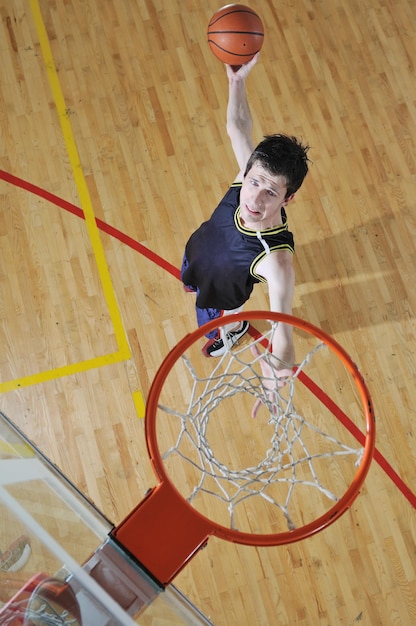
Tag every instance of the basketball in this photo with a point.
(235, 34)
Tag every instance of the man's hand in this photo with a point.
(244, 70)
(270, 374)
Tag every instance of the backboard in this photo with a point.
(71, 571)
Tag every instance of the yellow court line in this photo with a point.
(139, 403)
(17, 449)
(59, 372)
(93, 232)
(80, 182)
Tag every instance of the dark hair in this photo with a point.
(282, 155)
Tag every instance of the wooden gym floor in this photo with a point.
(117, 107)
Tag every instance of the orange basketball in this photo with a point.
(235, 34)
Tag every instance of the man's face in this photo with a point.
(261, 198)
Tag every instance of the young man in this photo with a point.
(247, 240)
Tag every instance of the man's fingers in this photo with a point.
(254, 350)
(256, 408)
(271, 377)
(284, 376)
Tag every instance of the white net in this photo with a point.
(271, 474)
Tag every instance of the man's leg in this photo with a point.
(230, 335)
(204, 316)
(235, 325)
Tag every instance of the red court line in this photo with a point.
(103, 226)
(155, 258)
(349, 425)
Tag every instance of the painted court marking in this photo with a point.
(94, 225)
(158, 260)
(80, 181)
(123, 352)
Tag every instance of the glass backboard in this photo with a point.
(58, 564)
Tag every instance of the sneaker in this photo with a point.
(216, 347)
(16, 555)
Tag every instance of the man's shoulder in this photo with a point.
(231, 196)
(281, 260)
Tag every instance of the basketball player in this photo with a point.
(247, 239)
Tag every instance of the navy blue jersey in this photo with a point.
(222, 255)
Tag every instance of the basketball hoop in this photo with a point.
(273, 480)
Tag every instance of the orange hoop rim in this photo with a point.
(330, 516)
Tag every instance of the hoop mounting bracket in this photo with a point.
(163, 533)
